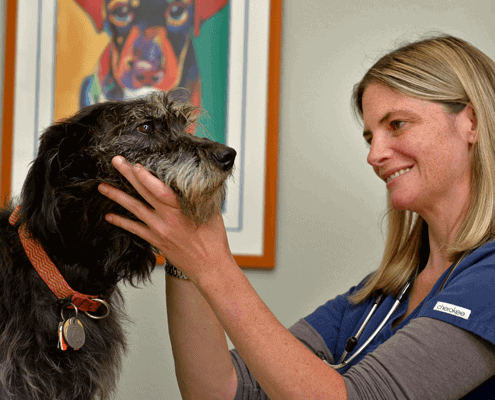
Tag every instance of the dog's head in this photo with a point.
(60, 200)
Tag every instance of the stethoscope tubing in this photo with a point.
(376, 304)
(398, 299)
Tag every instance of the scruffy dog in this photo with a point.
(61, 217)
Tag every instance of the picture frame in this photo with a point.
(252, 110)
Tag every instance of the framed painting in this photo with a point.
(226, 53)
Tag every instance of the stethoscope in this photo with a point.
(353, 340)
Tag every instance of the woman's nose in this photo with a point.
(380, 151)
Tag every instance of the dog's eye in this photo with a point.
(177, 14)
(145, 128)
(120, 16)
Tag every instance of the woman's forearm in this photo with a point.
(281, 364)
(203, 364)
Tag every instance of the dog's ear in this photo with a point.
(94, 8)
(65, 142)
(58, 159)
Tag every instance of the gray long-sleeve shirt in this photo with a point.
(427, 359)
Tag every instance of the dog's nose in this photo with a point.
(225, 157)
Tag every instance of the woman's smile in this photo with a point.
(389, 178)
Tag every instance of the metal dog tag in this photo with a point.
(61, 344)
(74, 333)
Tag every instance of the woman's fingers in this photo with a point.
(134, 206)
(135, 227)
(154, 191)
(148, 216)
(163, 225)
(151, 188)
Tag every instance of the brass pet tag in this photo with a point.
(61, 344)
(74, 333)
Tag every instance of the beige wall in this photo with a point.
(330, 204)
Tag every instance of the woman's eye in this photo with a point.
(396, 125)
(368, 139)
(145, 128)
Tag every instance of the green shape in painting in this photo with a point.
(212, 52)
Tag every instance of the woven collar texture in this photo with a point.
(49, 272)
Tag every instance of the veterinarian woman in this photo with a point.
(429, 116)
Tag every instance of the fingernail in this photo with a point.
(117, 161)
(103, 188)
(108, 218)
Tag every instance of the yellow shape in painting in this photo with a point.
(79, 46)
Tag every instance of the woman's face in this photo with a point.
(422, 153)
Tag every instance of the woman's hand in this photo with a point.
(193, 249)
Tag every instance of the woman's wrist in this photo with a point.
(173, 271)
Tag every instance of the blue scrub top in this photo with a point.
(467, 301)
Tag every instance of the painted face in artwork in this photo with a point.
(150, 49)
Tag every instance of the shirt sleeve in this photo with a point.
(427, 359)
(468, 298)
(247, 386)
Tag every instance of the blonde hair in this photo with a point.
(453, 73)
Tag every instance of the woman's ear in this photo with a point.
(471, 120)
